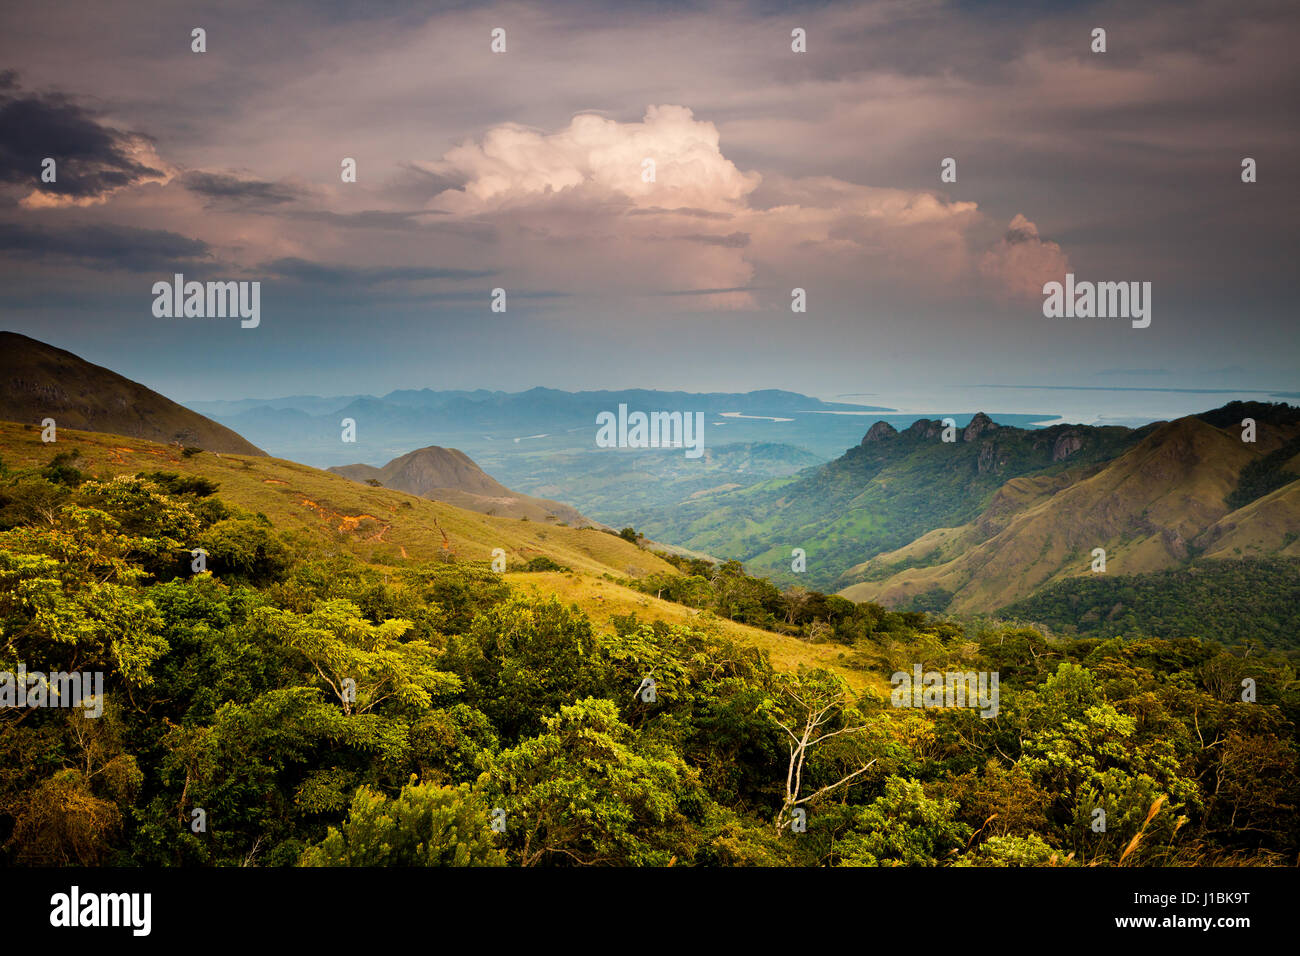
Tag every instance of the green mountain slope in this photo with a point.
(879, 496)
(320, 513)
(1235, 601)
(1160, 504)
(327, 511)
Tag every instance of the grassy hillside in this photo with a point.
(326, 512)
(603, 600)
(879, 496)
(1267, 526)
(1155, 507)
(371, 523)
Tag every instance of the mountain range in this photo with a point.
(986, 518)
(1159, 504)
(541, 441)
(880, 495)
(998, 513)
(506, 428)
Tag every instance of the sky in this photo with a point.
(773, 170)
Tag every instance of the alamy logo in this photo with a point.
(208, 300)
(73, 909)
(655, 430)
(1101, 300)
(84, 689)
(953, 689)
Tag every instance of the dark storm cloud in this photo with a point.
(92, 159)
(703, 291)
(681, 211)
(105, 248)
(736, 240)
(367, 218)
(321, 273)
(222, 187)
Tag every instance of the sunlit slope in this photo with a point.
(1152, 508)
(1267, 526)
(377, 523)
(602, 599)
(366, 521)
(878, 496)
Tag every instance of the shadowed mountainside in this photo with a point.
(448, 474)
(39, 381)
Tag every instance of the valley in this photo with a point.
(419, 620)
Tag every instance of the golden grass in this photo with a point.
(366, 521)
(392, 526)
(1171, 486)
(601, 600)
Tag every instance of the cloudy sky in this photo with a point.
(772, 170)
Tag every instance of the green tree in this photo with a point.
(522, 660)
(903, 827)
(362, 664)
(589, 791)
(245, 550)
(424, 825)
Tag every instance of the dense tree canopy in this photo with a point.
(288, 705)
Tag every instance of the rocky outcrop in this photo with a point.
(1066, 445)
(991, 458)
(924, 428)
(879, 432)
(979, 425)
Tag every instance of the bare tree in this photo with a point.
(814, 704)
(795, 599)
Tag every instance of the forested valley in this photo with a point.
(291, 704)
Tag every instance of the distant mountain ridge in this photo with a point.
(448, 474)
(541, 441)
(500, 430)
(880, 495)
(39, 381)
(1163, 502)
(538, 401)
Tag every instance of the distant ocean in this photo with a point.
(1052, 405)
